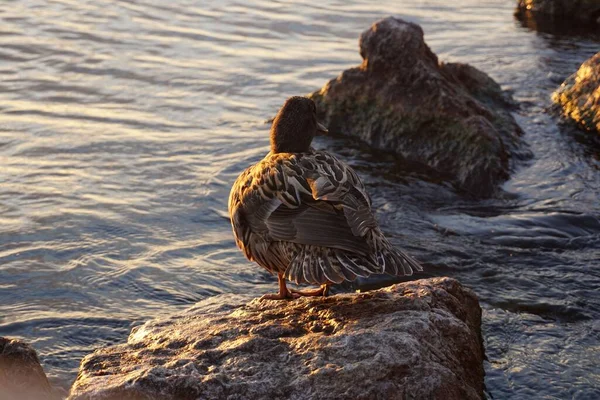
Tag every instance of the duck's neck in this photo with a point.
(281, 145)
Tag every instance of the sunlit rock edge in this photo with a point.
(418, 339)
(579, 96)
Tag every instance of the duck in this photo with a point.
(304, 215)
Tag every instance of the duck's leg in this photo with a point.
(322, 291)
(284, 292)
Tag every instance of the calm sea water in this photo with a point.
(123, 125)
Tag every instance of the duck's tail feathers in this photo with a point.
(318, 265)
(392, 261)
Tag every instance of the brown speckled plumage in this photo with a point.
(305, 214)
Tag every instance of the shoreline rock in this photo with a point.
(579, 96)
(450, 117)
(560, 12)
(418, 339)
(21, 374)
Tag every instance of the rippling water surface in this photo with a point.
(123, 125)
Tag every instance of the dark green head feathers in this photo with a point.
(295, 126)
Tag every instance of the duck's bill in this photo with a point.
(321, 128)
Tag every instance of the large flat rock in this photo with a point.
(414, 340)
(451, 117)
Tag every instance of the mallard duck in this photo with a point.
(306, 216)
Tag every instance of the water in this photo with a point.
(123, 125)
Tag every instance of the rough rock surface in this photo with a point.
(579, 95)
(417, 340)
(451, 117)
(586, 11)
(21, 375)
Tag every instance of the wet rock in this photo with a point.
(417, 340)
(451, 117)
(585, 11)
(21, 375)
(579, 96)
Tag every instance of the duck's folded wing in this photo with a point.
(329, 251)
(315, 223)
(273, 201)
(310, 216)
(333, 181)
(319, 201)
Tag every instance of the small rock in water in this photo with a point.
(587, 11)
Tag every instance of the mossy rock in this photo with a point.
(451, 117)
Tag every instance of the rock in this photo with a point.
(579, 95)
(451, 117)
(21, 375)
(418, 340)
(585, 11)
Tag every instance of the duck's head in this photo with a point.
(295, 126)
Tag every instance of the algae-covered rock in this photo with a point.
(579, 96)
(415, 340)
(451, 117)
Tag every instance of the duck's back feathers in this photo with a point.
(308, 215)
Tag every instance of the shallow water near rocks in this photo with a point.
(123, 125)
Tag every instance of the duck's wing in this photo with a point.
(317, 203)
(309, 199)
(323, 202)
(334, 184)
